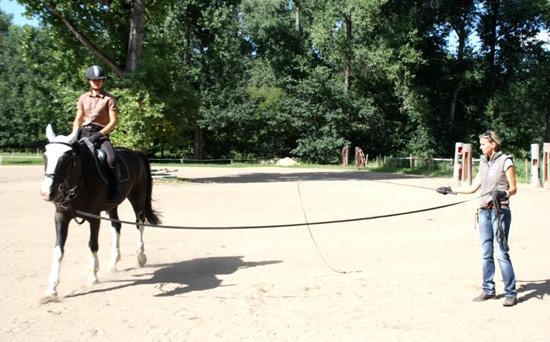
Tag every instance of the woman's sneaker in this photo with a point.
(483, 297)
(510, 301)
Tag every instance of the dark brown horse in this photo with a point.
(74, 183)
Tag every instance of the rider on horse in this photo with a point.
(96, 117)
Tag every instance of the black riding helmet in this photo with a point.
(95, 73)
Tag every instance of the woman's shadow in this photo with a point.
(185, 276)
(533, 289)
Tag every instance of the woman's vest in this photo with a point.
(493, 177)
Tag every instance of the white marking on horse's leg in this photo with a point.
(94, 267)
(53, 279)
(141, 257)
(115, 249)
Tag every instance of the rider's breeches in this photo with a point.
(109, 152)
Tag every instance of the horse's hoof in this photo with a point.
(113, 269)
(52, 298)
(92, 281)
(142, 259)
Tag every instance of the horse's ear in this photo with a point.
(49, 133)
(72, 137)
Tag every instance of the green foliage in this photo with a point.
(141, 125)
(324, 149)
(27, 101)
(276, 78)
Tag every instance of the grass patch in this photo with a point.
(21, 159)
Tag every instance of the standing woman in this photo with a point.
(497, 180)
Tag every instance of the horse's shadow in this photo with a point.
(533, 289)
(185, 276)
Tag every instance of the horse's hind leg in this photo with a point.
(94, 247)
(140, 246)
(115, 238)
(140, 219)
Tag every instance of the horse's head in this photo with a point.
(62, 166)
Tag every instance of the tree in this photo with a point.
(28, 82)
(515, 59)
(265, 78)
(103, 27)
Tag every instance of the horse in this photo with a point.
(74, 182)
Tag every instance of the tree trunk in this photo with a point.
(347, 52)
(297, 16)
(493, 22)
(453, 109)
(462, 34)
(188, 48)
(135, 39)
(493, 6)
(198, 146)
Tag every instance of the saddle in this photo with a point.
(103, 169)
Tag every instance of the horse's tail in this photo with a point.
(152, 216)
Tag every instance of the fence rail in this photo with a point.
(378, 160)
(403, 162)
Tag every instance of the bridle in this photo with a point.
(65, 193)
(51, 175)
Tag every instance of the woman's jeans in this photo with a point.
(488, 224)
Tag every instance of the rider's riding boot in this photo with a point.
(115, 190)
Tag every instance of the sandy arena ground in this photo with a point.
(408, 278)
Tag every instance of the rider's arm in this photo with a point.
(79, 118)
(470, 189)
(113, 121)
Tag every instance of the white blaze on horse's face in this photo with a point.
(54, 150)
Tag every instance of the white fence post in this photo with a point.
(546, 165)
(344, 155)
(462, 171)
(457, 169)
(467, 163)
(535, 165)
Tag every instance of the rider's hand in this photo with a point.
(500, 194)
(95, 138)
(444, 190)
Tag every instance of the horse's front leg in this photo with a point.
(62, 220)
(115, 238)
(94, 247)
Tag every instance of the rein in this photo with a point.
(305, 223)
(501, 237)
(287, 225)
